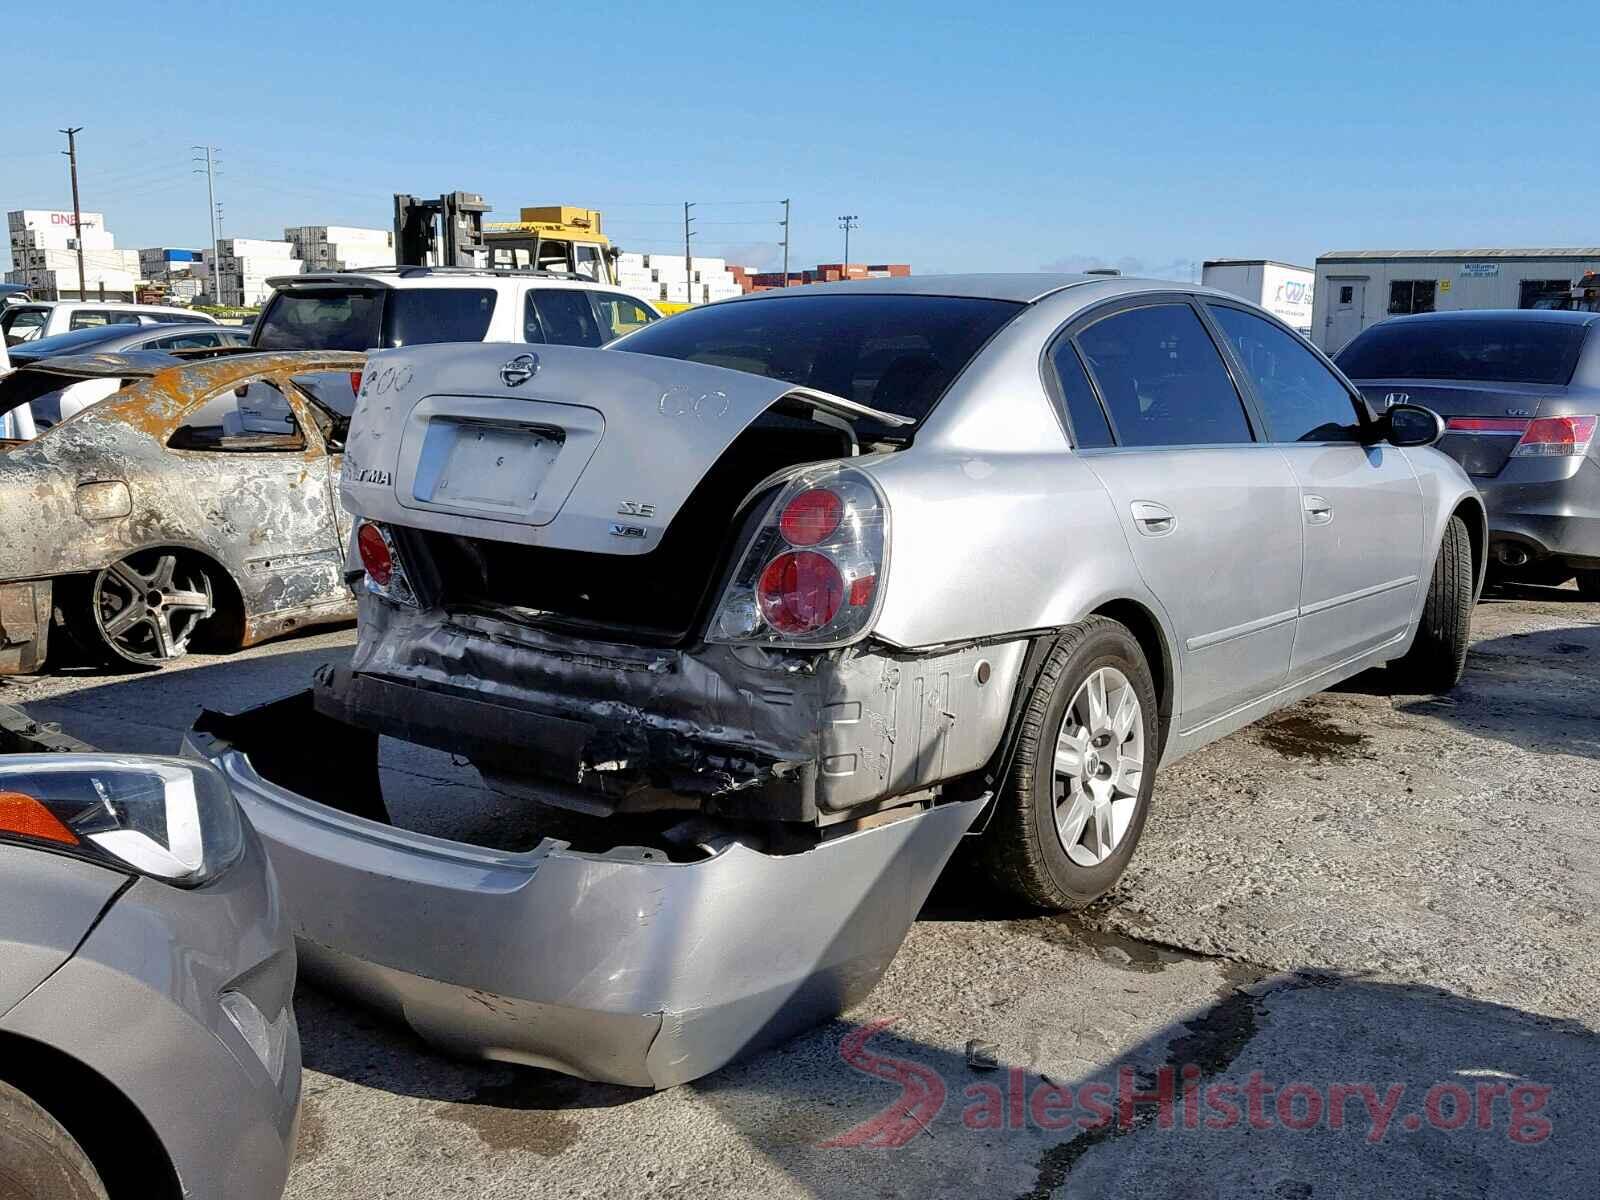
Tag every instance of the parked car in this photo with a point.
(147, 1037)
(411, 306)
(13, 293)
(779, 595)
(1520, 394)
(41, 319)
(198, 503)
(56, 406)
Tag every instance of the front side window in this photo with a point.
(1301, 399)
(23, 324)
(587, 262)
(249, 418)
(1162, 379)
(619, 314)
(1408, 296)
(562, 317)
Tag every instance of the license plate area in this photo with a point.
(484, 465)
(492, 459)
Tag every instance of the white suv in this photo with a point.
(408, 306)
(41, 319)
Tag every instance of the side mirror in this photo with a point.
(1413, 425)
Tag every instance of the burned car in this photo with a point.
(811, 584)
(198, 503)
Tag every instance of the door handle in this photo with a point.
(1318, 510)
(1153, 520)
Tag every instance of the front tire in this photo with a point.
(39, 1159)
(1438, 656)
(1075, 802)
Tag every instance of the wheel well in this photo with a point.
(110, 1128)
(1147, 632)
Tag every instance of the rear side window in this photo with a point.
(186, 341)
(1480, 349)
(562, 316)
(251, 417)
(94, 318)
(1301, 399)
(1162, 379)
(1090, 429)
(421, 316)
(19, 323)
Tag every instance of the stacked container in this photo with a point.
(340, 247)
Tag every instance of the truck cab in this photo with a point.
(554, 237)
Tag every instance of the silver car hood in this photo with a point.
(557, 446)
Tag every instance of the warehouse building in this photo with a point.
(1357, 288)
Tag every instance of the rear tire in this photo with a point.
(1074, 804)
(142, 611)
(1589, 585)
(39, 1159)
(1438, 656)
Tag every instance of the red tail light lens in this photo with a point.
(1556, 437)
(799, 591)
(811, 517)
(375, 556)
(355, 383)
(1486, 424)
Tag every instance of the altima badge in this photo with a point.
(519, 370)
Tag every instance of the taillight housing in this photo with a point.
(380, 560)
(813, 573)
(1556, 437)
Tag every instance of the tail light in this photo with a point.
(386, 575)
(355, 383)
(813, 572)
(1556, 437)
(1486, 425)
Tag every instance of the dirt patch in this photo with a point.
(1307, 734)
(528, 1112)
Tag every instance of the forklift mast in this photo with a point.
(447, 232)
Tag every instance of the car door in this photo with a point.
(1360, 502)
(1210, 513)
(256, 473)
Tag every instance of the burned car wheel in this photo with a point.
(39, 1160)
(1079, 789)
(144, 609)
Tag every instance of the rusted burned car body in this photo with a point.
(254, 517)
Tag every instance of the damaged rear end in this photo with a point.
(620, 583)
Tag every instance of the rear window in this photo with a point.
(895, 353)
(1483, 351)
(330, 319)
(75, 342)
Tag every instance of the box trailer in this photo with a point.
(1357, 288)
(1283, 289)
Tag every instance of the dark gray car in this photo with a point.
(1519, 391)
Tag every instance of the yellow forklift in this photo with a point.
(555, 237)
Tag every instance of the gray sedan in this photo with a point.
(1520, 394)
(147, 1040)
(785, 595)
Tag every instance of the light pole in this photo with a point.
(847, 223)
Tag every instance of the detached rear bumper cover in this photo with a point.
(621, 967)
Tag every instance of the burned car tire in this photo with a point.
(39, 1160)
(1076, 799)
(141, 611)
(1438, 656)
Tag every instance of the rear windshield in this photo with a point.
(1483, 351)
(356, 319)
(895, 353)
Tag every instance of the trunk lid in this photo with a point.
(552, 446)
(1506, 408)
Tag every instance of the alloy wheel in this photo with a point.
(1099, 766)
(148, 605)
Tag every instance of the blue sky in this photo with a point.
(966, 136)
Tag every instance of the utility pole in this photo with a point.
(688, 259)
(215, 210)
(77, 212)
(847, 223)
(785, 243)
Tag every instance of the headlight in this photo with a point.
(169, 818)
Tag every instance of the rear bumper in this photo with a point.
(621, 966)
(740, 732)
(24, 626)
(1546, 508)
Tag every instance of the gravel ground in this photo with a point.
(1369, 891)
